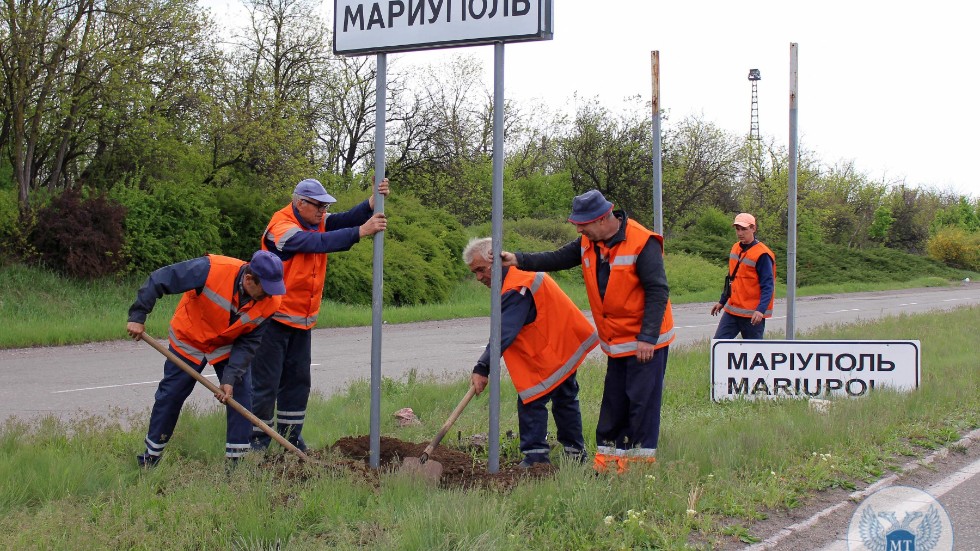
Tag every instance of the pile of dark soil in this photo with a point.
(460, 470)
(351, 455)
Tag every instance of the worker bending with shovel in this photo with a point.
(219, 320)
(544, 338)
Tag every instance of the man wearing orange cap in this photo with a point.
(623, 267)
(750, 286)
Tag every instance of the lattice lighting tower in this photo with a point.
(754, 77)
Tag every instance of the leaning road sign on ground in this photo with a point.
(373, 26)
(755, 369)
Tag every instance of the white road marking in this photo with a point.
(845, 310)
(114, 386)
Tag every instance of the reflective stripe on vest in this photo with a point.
(549, 349)
(631, 346)
(563, 371)
(295, 320)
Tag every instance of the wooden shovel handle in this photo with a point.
(231, 401)
(449, 423)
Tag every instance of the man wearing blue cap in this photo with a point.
(622, 263)
(301, 234)
(219, 320)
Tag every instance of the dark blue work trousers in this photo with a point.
(281, 383)
(631, 399)
(532, 419)
(731, 326)
(171, 393)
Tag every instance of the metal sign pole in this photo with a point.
(377, 295)
(794, 159)
(658, 207)
(496, 274)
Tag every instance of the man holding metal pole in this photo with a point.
(219, 320)
(301, 234)
(544, 339)
(622, 264)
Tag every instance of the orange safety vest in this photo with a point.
(201, 327)
(303, 273)
(619, 316)
(746, 291)
(549, 349)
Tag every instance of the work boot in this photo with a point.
(145, 460)
(532, 459)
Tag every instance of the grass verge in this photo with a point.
(721, 466)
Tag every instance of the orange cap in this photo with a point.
(744, 220)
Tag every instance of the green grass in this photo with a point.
(75, 486)
(40, 308)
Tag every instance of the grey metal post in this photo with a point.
(497, 236)
(794, 154)
(658, 207)
(377, 294)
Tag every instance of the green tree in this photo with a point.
(701, 169)
(881, 224)
(611, 153)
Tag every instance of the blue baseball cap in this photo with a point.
(314, 190)
(589, 207)
(268, 269)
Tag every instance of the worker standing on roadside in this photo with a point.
(301, 234)
(750, 287)
(544, 338)
(622, 264)
(219, 320)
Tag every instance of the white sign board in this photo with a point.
(372, 26)
(754, 369)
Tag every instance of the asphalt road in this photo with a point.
(117, 379)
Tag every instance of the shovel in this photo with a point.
(432, 470)
(231, 401)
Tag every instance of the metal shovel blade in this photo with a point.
(429, 470)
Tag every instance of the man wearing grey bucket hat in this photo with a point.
(622, 264)
(301, 234)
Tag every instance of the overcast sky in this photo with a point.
(890, 85)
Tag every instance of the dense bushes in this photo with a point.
(422, 248)
(956, 247)
(167, 223)
(79, 236)
(245, 213)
